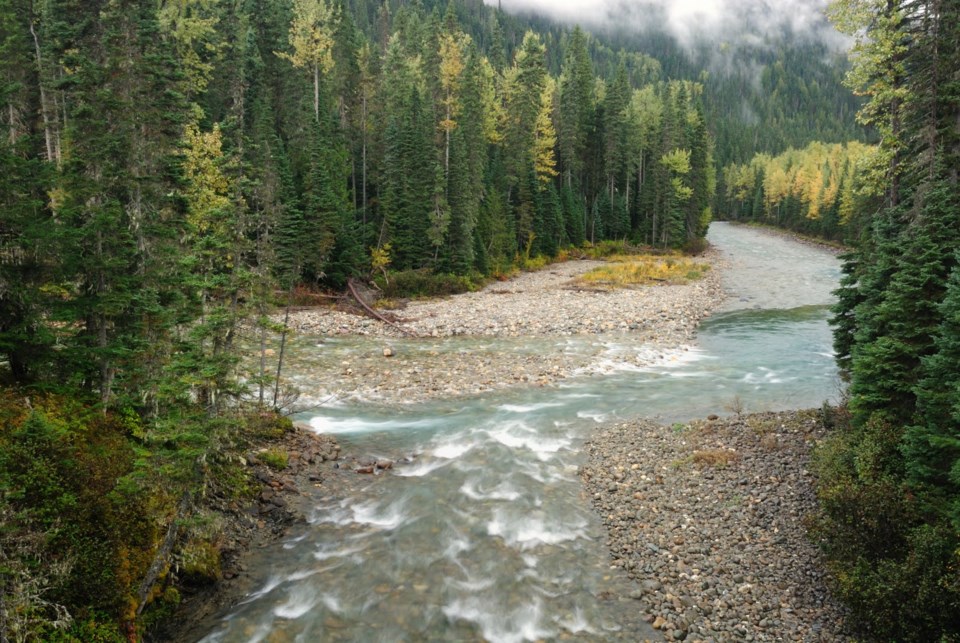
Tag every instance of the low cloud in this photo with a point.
(746, 22)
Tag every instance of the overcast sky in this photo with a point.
(720, 19)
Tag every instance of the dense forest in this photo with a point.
(813, 191)
(890, 476)
(172, 173)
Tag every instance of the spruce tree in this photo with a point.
(932, 445)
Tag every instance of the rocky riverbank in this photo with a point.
(544, 304)
(284, 472)
(708, 518)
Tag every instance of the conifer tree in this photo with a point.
(576, 107)
(932, 445)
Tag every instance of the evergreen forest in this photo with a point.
(173, 173)
(890, 475)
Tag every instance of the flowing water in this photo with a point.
(483, 532)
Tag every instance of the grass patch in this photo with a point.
(714, 458)
(608, 249)
(625, 271)
(276, 459)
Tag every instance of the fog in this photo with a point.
(751, 22)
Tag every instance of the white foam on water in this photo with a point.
(302, 599)
(290, 544)
(503, 491)
(765, 376)
(214, 637)
(645, 358)
(373, 514)
(577, 623)
(532, 529)
(331, 602)
(578, 396)
(420, 468)
(527, 408)
(543, 473)
(331, 514)
(521, 624)
(596, 416)
(452, 450)
(272, 583)
(356, 425)
(608, 366)
(530, 560)
(305, 574)
(520, 436)
(261, 633)
(327, 552)
(455, 547)
(471, 584)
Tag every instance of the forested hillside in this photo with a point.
(890, 476)
(168, 173)
(814, 191)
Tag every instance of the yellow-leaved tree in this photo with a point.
(452, 48)
(545, 136)
(311, 36)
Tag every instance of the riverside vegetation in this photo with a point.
(170, 173)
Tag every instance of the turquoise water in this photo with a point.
(483, 533)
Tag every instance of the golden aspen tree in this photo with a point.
(311, 36)
(452, 48)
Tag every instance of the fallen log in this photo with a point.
(370, 311)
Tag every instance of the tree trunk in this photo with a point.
(316, 92)
(12, 115)
(162, 555)
(48, 134)
(283, 346)
(363, 169)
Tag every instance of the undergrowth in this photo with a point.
(624, 271)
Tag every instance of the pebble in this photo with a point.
(728, 557)
(533, 305)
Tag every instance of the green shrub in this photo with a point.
(696, 246)
(71, 470)
(424, 283)
(895, 566)
(96, 628)
(200, 563)
(267, 425)
(911, 598)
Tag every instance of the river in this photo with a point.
(483, 532)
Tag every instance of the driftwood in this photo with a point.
(370, 311)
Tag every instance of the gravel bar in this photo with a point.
(541, 304)
(708, 518)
